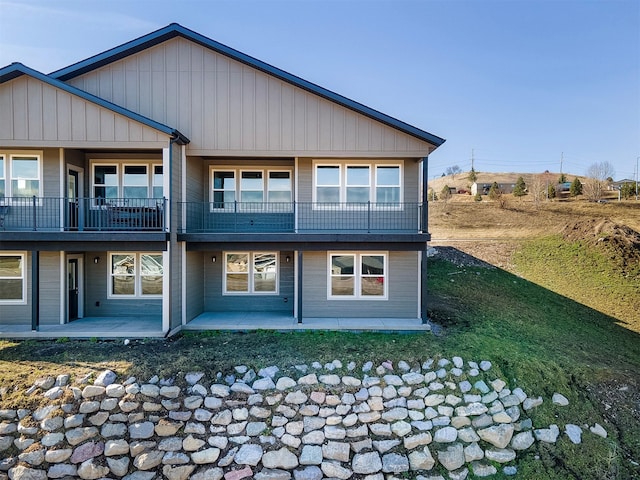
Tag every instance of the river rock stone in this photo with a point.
(282, 458)
(366, 463)
(497, 435)
(453, 457)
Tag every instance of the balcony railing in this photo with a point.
(303, 217)
(83, 214)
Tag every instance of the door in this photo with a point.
(73, 288)
(72, 198)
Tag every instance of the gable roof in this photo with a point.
(175, 30)
(16, 70)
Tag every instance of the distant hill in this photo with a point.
(461, 182)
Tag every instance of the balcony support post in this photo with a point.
(35, 290)
(33, 207)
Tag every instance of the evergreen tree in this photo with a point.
(551, 191)
(494, 191)
(520, 189)
(576, 187)
(563, 178)
(445, 193)
(472, 176)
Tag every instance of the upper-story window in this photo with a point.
(252, 188)
(20, 175)
(357, 183)
(126, 180)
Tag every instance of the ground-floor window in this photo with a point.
(12, 278)
(253, 273)
(357, 276)
(135, 275)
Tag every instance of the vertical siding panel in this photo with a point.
(262, 114)
(49, 113)
(107, 126)
(171, 96)
(121, 129)
(34, 100)
(132, 84)
(248, 126)
(364, 133)
(312, 120)
(287, 118)
(411, 181)
(338, 128)
(64, 115)
(144, 89)
(274, 106)
(92, 119)
(325, 118)
(105, 83)
(91, 83)
(20, 110)
(375, 140)
(350, 131)
(299, 119)
(78, 122)
(7, 117)
(135, 132)
(118, 95)
(158, 85)
(184, 92)
(235, 106)
(222, 103)
(388, 139)
(197, 92)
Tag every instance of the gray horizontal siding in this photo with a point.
(195, 284)
(96, 290)
(49, 288)
(402, 283)
(215, 301)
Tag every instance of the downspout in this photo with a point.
(425, 229)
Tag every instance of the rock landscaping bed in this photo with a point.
(435, 420)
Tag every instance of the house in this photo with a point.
(173, 183)
(483, 188)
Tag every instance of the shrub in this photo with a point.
(576, 187)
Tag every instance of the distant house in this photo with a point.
(172, 182)
(483, 188)
(617, 185)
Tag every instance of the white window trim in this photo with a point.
(7, 174)
(120, 165)
(357, 273)
(137, 276)
(373, 183)
(23, 262)
(237, 177)
(250, 273)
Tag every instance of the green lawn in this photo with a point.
(536, 339)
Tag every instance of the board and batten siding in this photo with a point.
(402, 302)
(215, 301)
(224, 106)
(33, 113)
(49, 288)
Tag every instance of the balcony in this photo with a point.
(304, 218)
(50, 214)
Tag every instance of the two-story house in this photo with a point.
(173, 182)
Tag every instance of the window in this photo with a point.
(362, 183)
(2, 177)
(250, 273)
(12, 278)
(357, 276)
(135, 275)
(387, 184)
(253, 187)
(20, 175)
(127, 181)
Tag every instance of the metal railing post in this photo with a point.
(34, 214)
(368, 216)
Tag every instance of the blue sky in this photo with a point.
(522, 83)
